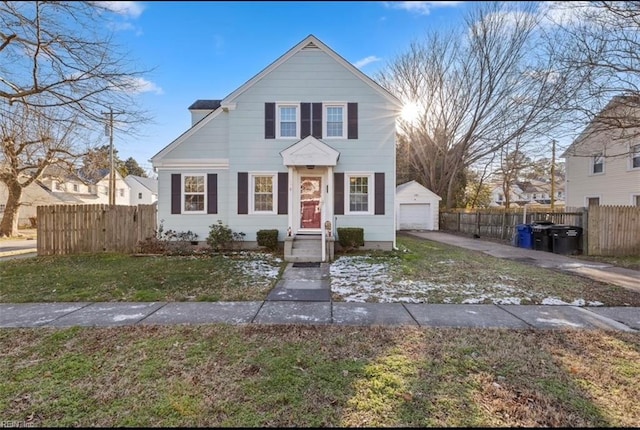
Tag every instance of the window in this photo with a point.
(335, 120)
(105, 190)
(597, 165)
(635, 156)
(360, 193)
(593, 201)
(287, 122)
(121, 190)
(58, 186)
(636, 201)
(194, 192)
(139, 196)
(262, 193)
(75, 187)
(2, 207)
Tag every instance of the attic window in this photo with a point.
(597, 165)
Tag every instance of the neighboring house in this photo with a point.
(417, 207)
(305, 147)
(142, 191)
(498, 198)
(603, 163)
(540, 192)
(33, 196)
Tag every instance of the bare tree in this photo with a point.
(29, 144)
(477, 91)
(59, 67)
(601, 39)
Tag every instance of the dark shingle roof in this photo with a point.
(205, 105)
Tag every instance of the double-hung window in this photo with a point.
(263, 196)
(287, 121)
(194, 193)
(335, 120)
(597, 164)
(359, 198)
(635, 156)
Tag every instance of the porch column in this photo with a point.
(290, 211)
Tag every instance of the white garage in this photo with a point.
(417, 207)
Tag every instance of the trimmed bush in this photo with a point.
(350, 237)
(268, 239)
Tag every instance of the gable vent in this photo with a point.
(311, 45)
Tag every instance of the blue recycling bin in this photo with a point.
(525, 236)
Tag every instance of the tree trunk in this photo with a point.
(9, 223)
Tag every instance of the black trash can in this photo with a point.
(541, 235)
(566, 239)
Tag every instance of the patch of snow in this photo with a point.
(126, 317)
(363, 279)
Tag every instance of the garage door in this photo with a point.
(415, 217)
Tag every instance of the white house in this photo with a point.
(417, 207)
(306, 146)
(142, 191)
(603, 163)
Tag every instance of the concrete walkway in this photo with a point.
(303, 296)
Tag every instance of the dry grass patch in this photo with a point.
(318, 376)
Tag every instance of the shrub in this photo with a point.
(268, 239)
(168, 242)
(222, 238)
(350, 237)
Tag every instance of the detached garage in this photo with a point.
(417, 207)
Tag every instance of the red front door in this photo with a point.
(310, 194)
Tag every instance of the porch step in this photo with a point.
(305, 249)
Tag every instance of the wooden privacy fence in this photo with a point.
(75, 229)
(614, 230)
(606, 230)
(501, 224)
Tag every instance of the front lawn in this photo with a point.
(243, 276)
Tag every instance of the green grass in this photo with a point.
(117, 277)
(318, 376)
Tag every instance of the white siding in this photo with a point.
(615, 186)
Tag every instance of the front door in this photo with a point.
(310, 206)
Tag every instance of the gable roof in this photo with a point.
(607, 119)
(149, 183)
(415, 184)
(309, 42)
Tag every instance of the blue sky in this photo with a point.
(205, 50)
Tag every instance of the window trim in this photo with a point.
(274, 193)
(295, 105)
(325, 119)
(586, 200)
(635, 199)
(183, 194)
(370, 197)
(592, 164)
(633, 154)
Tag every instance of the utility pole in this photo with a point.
(553, 173)
(112, 176)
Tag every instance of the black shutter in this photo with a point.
(269, 120)
(352, 119)
(305, 120)
(317, 120)
(283, 193)
(176, 193)
(379, 196)
(338, 193)
(212, 193)
(243, 193)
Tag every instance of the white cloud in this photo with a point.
(367, 60)
(421, 7)
(132, 9)
(141, 85)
